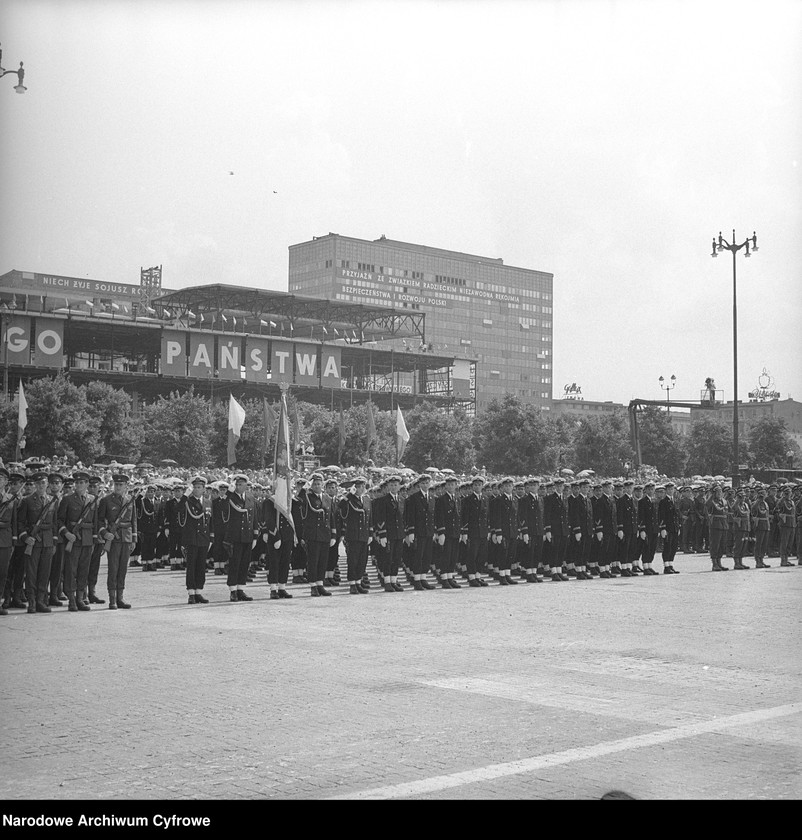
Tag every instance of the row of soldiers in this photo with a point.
(53, 530)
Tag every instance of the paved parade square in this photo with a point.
(686, 686)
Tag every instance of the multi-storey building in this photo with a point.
(475, 307)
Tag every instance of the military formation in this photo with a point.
(418, 532)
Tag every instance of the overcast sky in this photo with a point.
(605, 142)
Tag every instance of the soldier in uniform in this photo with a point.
(580, 522)
(299, 551)
(447, 527)
(741, 526)
(194, 518)
(595, 554)
(530, 526)
(419, 526)
(172, 527)
(356, 533)
(116, 518)
(685, 507)
(147, 526)
(626, 527)
(319, 534)
(219, 490)
(761, 524)
(473, 531)
(668, 525)
(503, 526)
(717, 516)
(555, 529)
(77, 524)
(606, 529)
(56, 598)
(95, 489)
(389, 525)
(785, 512)
(331, 501)
(14, 594)
(647, 527)
(36, 526)
(6, 531)
(279, 534)
(241, 527)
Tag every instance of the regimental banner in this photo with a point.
(257, 359)
(229, 356)
(174, 353)
(306, 361)
(281, 361)
(201, 353)
(45, 348)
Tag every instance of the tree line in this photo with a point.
(87, 422)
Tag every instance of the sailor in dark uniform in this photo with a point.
(194, 518)
(241, 528)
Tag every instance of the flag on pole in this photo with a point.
(273, 324)
(22, 420)
(90, 304)
(401, 435)
(270, 420)
(296, 430)
(236, 417)
(341, 438)
(372, 436)
(115, 306)
(282, 487)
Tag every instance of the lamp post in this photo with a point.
(719, 246)
(668, 388)
(19, 87)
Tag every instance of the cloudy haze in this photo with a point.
(605, 142)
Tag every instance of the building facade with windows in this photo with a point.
(476, 307)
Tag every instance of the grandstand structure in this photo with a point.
(220, 339)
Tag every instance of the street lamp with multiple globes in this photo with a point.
(719, 246)
(19, 87)
(668, 388)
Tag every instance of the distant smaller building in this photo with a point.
(750, 412)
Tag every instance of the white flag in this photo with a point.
(22, 421)
(236, 417)
(401, 434)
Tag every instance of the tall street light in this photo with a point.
(19, 87)
(723, 245)
(667, 388)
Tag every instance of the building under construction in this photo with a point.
(220, 340)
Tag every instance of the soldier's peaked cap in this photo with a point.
(80, 475)
(316, 477)
(240, 477)
(198, 479)
(120, 478)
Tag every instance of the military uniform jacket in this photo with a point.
(626, 514)
(555, 515)
(7, 523)
(275, 523)
(194, 518)
(504, 517)
(786, 513)
(684, 506)
(580, 515)
(647, 516)
(740, 517)
(317, 521)
(667, 515)
(474, 513)
(605, 516)
(446, 517)
(355, 519)
(28, 514)
(147, 516)
(239, 519)
(218, 526)
(419, 516)
(530, 517)
(760, 515)
(388, 517)
(170, 512)
(717, 514)
(698, 512)
(112, 518)
(71, 509)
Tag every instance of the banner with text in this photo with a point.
(174, 353)
(48, 341)
(229, 349)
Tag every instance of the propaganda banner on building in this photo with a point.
(229, 356)
(306, 369)
(201, 353)
(281, 361)
(174, 353)
(257, 359)
(45, 348)
(330, 358)
(17, 338)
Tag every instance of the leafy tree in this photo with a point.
(769, 442)
(602, 444)
(179, 427)
(119, 433)
(9, 412)
(514, 437)
(659, 442)
(709, 447)
(439, 439)
(60, 422)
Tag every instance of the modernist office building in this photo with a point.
(475, 307)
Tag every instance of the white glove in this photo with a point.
(331, 542)
(578, 537)
(166, 532)
(411, 539)
(548, 536)
(620, 535)
(496, 539)
(70, 537)
(277, 544)
(441, 539)
(599, 536)
(526, 539)
(643, 535)
(265, 537)
(664, 533)
(253, 545)
(383, 542)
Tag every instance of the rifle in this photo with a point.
(111, 530)
(68, 543)
(35, 529)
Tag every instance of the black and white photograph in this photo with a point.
(316, 315)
